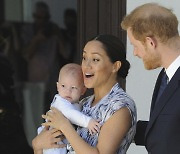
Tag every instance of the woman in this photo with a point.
(104, 61)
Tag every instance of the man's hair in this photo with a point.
(151, 20)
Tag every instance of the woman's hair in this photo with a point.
(151, 20)
(115, 50)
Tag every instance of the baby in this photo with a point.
(70, 88)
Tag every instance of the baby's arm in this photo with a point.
(75, 116)
(80, 119)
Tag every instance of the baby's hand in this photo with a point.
(94, 126)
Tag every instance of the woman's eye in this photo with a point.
(95, 60)
(62, 85)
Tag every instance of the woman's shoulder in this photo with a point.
(118, 94)
(119, 98)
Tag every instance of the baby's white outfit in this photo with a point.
(71, 112)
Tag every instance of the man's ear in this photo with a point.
(116, 66)
(151, 42)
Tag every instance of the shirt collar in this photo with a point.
(170, 71)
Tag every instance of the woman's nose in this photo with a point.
(87, 63)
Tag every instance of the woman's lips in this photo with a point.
(88, 75)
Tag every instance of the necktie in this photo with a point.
(163, 85)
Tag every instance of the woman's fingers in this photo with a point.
(46, 124)
(45, 117)
(56, 133)
(56, 145)
(62, 145)
(48, 116)
(45, 128)
(54, 109)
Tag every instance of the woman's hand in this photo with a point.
(47, 139)
(55, 119)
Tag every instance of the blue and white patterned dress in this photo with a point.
(113, 101)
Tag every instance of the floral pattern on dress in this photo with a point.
(108, 105)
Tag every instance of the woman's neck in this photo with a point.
(102, 91)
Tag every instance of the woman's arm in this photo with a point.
(46, 139)
(110, 137)
(113, 131)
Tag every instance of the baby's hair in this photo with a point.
(72, 69)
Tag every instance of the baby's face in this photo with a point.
(70, 88)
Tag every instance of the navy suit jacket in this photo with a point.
(161, 135)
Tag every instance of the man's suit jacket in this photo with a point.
(161, 135)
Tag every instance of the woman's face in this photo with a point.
(96, 65)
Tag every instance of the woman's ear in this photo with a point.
(116, 66)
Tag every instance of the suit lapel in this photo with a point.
(156, 89)
(168, 92)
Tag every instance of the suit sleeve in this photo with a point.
(139, 138)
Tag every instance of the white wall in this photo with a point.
(140, 82)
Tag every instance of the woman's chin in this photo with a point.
(88, 85)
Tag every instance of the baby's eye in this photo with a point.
(62, 85)
(75, 88)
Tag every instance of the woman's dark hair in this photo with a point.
(116, 51)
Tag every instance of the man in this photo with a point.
(153, 31)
